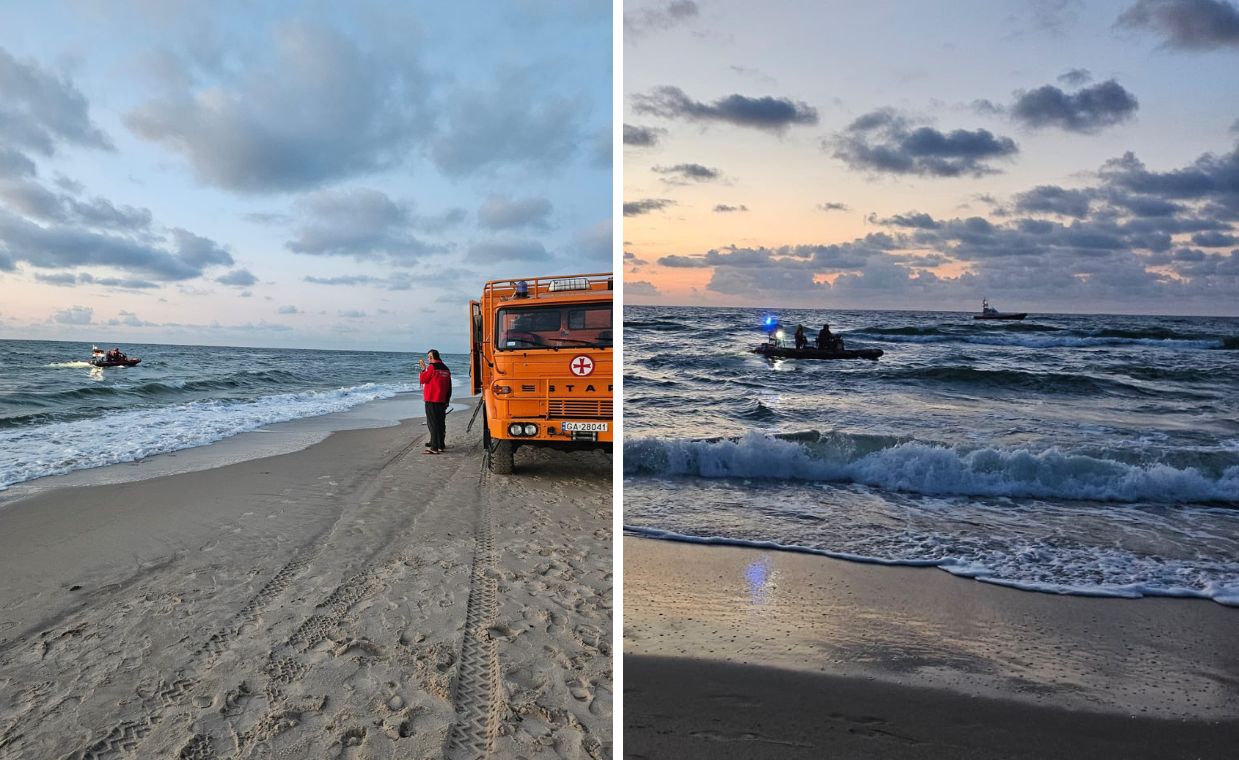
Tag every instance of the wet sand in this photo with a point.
(771, 654)
(353, 599)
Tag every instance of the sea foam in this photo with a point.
(33, 452)
(931, 468)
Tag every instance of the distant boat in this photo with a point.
(989, 312)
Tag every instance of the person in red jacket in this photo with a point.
(436, 380)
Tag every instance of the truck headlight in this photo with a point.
(531, 429)
(514, 428)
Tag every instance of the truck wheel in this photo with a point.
(501, 457)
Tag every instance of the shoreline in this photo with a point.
(1154, 657)
(269, 440)
(656, 534)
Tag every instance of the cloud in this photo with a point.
(500, 213)
(63, 279)
(290, 309)
(352, 314)
(14, 164)
(1088, 110)
(1210, 178)
(733, 281)
(883, 141)
(767, 113)
(677, 261)
(521, 120)
(723, 208)
(804, 258)
(1052, 199)
(348, 279)
(267, 218)
(1186, 24)
(913, 219)
(364, 224)
(1214, 239)
(646, 206)
(640, 288)
(118, 282)
(39, 112)
(1075, 77)
(74, 315)
(198, 251)
(64, 247)
(829, 206)
(238, 278)
(34, 201)
(642, 20)
(321, 108)
(499, 251)
(987, 107)
(642, 137)
(130, 319)
(67, 279)
(681, 173)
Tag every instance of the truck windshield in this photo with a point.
(560, 326)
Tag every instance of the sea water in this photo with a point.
(1075, 454)
(58, 414)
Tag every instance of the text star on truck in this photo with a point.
(540, 356)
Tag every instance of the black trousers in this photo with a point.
(436, 423)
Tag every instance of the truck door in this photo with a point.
(475, 346)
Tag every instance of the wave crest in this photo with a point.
(929, 468)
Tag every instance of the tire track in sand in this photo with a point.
(286, 665)
(477, 694)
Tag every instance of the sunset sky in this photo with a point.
(295, 174)
(1053, 155)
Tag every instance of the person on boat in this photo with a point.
(828, 341)
(802, 341)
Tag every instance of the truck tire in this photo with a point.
(501, 456)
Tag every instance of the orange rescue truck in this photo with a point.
(540, 355)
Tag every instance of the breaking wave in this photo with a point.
(933, 469)
(133, 434)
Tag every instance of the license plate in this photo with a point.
(585, 427)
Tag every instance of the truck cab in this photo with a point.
(540, 357)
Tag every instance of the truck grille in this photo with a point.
(578, 407)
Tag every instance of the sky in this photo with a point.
(295, 174)
(1051, 155)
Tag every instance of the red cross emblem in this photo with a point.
(581, 365)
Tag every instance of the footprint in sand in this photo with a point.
(581, 689)
(504, 632)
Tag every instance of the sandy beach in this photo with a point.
(353, 599)
(772, 654)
